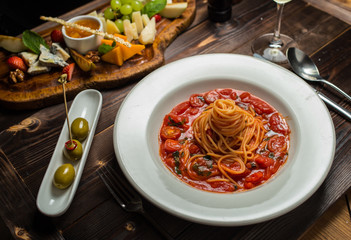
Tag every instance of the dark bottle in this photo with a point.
(219, 10)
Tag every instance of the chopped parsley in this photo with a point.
(174, 123)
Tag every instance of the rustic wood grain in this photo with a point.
(29, 138)
(43, 90)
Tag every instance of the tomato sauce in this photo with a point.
(176, 134)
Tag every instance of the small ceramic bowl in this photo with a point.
(85, 44)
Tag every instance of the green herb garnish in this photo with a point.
(153, 7)
(105, 48)
(32, 40)
(174, 123)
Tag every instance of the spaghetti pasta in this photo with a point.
(227, 141)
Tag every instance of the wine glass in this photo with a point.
(272, 46)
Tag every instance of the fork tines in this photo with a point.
(120, 189)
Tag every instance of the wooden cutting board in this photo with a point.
(44, 90)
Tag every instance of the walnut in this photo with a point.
(93, 56)
(16, 76)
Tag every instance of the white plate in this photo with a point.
(139, 119)
(52, 201)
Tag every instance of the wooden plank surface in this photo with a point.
(27, 139)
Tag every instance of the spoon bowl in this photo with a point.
(303, 66)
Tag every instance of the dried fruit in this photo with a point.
(83, 63)
(12, 44)
(15, 62)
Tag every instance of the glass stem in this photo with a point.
(276, 42)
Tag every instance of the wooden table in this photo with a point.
(28, 138)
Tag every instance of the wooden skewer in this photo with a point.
(63, 81)
(103, 34)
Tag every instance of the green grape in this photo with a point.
(126, 9)
(124, 18)
(115, 4)
(136, 5)
(109, 13)
(119, 24)
(126, 1)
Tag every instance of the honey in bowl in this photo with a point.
(77, 33)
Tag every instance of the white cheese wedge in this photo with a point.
(128, 30)
(147, 36)
(111, 27)
(145, 18)
(136, 18)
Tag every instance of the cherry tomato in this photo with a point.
(275, 167)
(277, 144)
(181, 108)
(170, 132)
(170, 162)
(193, 148)
(248, 185)
(226, 92)
(211, 96)
(267, 173)
(196, 100)
(259, 105)
(255, 177)
(157, 17)
(172, 145)
(175, 120)
(223, 186)
(234, 96)
(193, 111)
(278, 124)
(264, 162)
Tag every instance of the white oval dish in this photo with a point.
(52, 201)
(140, 116)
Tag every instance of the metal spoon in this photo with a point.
(305, 68)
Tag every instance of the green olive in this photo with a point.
(64, 176)
(80, 128)
(73, 151)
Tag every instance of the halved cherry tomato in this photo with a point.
(264, 162)
(226, 92)
(211, 96)
(248, 185)
(170, 162)
(234, 96)
(277, 144)
(175, 120)
(193, 148)
(181, 108)
(259, 105)
(192, 111)
(267, 173)
(278, 124)
(172, 145)
(255, 177)
(170, 132)
(223, 186)
(196, 100)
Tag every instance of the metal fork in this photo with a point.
(126, 196)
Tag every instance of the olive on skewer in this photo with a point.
(73, 149)
(80, 129)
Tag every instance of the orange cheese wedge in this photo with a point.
(114, 56)
(126, 51)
